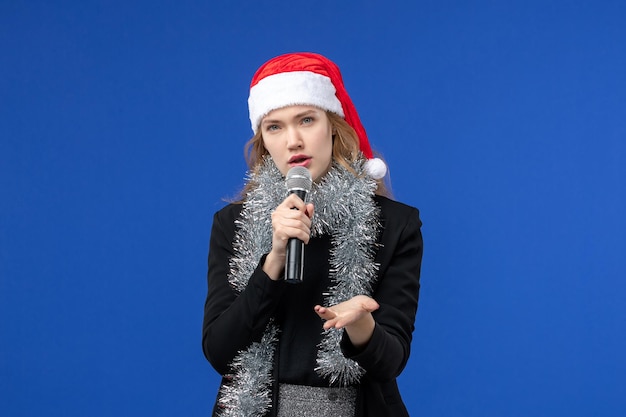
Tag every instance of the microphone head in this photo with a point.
(299, 178)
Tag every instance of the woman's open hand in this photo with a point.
(355, 315)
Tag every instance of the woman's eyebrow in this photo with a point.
(296, 116)
(304, 113)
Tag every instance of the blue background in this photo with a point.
(122, 128)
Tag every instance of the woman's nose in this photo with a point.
(294, 139)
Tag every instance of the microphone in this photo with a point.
(298, 182)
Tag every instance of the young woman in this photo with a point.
(333, 344)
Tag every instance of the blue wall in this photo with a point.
(121, 131)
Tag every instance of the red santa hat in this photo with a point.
(307, 79)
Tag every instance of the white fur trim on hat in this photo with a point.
(288, 89)
(376, 168)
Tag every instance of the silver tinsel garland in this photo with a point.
(344, 209)
(248, 394)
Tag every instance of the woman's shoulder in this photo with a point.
(228, 214)
(392, 210)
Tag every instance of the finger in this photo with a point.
(293, 202)
(290, 213)
(329, 316)
(325, 313)
(289, 217)
(292, 223)
(309, 210)
(329, 324)
(287, 225)
(371, 305)
(366, 303)
(286, 233)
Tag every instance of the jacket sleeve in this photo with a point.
(233, 321)
(397, 293)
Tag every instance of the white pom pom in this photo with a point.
(376, 168)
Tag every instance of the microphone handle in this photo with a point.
(294, 261)
(294, 258)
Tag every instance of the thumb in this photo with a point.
(370, 304)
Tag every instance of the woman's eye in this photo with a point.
(271, 128)
(307, 120)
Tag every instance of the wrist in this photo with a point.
(360, 332)
(274, 266)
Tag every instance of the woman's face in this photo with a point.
(299, 136)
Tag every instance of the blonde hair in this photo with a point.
(345, 151)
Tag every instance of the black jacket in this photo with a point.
(233, 321)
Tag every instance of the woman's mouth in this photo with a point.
(299, 160)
